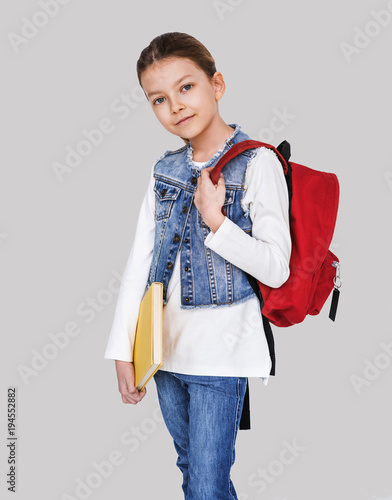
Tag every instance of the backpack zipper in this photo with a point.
(337, 278)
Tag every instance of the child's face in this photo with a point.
(176, 88)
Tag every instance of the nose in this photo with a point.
(177, 105)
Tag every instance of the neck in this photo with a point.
(211, 140)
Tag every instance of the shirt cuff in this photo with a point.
(213, 239)
(121, 356)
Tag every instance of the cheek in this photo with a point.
(160, 114)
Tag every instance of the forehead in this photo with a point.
(166, 73)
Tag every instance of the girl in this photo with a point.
(213, 337)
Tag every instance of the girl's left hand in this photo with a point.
(209, 198)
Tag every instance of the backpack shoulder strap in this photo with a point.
(282, 150)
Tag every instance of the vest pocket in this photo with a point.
(229, 199)
(165, 195)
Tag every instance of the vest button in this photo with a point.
(186, 240)
(169, 265)
(184, 210)
(194, 180)
(186, 299)
(186, 268)
(176, 238)
(163, 192)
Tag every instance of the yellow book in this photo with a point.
(147, 352)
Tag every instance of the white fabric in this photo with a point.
(220, 340)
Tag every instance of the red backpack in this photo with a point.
(314, 269)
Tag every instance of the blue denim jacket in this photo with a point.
(207, 279)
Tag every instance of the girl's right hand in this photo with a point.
(126, 383)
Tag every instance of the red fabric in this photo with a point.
(314, 207)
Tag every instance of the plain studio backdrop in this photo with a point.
(315, 73)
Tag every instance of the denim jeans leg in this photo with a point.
(173, 400)
(214, 415)
(202, 414)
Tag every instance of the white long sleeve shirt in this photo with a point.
(226, 340)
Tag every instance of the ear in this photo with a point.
(219, 85)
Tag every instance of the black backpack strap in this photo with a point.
(284, 149)
(266, 324)
(245, 416)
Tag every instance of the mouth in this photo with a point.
(185, 120)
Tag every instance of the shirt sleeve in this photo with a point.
(266, 253)
(134, 281)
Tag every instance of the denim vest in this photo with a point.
(207, 279)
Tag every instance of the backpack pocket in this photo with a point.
(323, 284)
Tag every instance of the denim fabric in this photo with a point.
(202, 414)
(207, 279)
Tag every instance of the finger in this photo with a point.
(128, 400)
(130, 393)
(138, 395)
(207, 177)
(135, 394)
(131, 398)
(206, 171)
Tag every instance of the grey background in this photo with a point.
(62, 243)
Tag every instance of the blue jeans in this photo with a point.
(202, 414)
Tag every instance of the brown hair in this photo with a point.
(175, 44)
